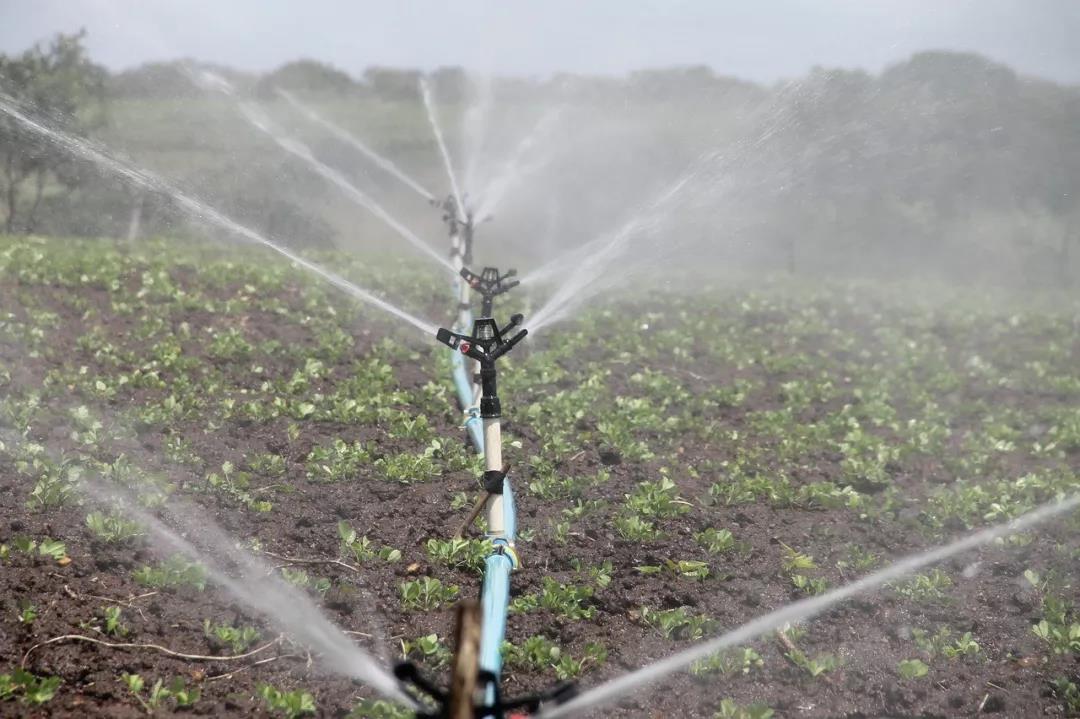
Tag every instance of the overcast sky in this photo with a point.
(761, 40)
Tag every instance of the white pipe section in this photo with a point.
(493, 462)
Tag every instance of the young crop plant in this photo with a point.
(112, 528)
(815, 667)
(657, 499)
(686, 568)
(380, 709)
(158, 694)
(111, 623)
(677, 623)
(925, 587)
(225, 636)
(1064, 689)
(237, 485)
(715, 541)
(912, 668)
(339, 462)
(633, 528)
(560, 599)
(735, 660)
(427, 649)
(729, 709)
(407, 468)
(288, 704)
(176, 571)
(363, 549)
(944, 642)
(29, 689)
(427, 593)
(1059, 627)
(539, 653)
(301, 579)
(459, 553)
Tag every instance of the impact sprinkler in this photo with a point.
(489, 284)
(459, 220)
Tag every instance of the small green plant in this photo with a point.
(459, 553)
(236, 639)
(1069, 693)
(715, 541)
(427, 649)
(28, 688)
(561, 599)
(112, 528)
(176, 571)
(912, 668)
(657, 499)
(363, 549)
(943, 642)
(809, 585)
(111, 624)
(291, 705)
(158, 694)
(728, 709)
(427, 593)
(380, 709)
(303, 580)
(735, 660)
(28, 613)
(816, 666)
(925, 587)
(635, 529)
(677, 623)
(795, 561)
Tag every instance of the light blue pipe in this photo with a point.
(495, 598)
(464, 385)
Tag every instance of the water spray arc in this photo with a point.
(199, 210)
(623, 686)
(429, 106)
(351, 140)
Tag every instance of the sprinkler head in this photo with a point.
(489, 284)
(486, 343)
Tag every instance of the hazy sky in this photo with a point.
(754, 39)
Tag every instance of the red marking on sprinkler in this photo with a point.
(464, 347)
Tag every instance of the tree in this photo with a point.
(59, 83)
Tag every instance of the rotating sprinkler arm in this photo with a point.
(490, 284)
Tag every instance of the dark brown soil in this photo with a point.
(989, 598)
